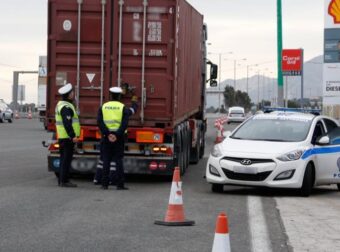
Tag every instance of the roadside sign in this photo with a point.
(292, 60)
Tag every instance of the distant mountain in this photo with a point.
(313, 70)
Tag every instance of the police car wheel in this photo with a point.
(308, 181)
(338, 185)
(217, 188)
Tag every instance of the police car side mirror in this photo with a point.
(323, 140)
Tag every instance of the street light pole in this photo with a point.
(219, 81)
(219, 75)
(258, 90)
(235, 75)
(247, 79)
(235, 61)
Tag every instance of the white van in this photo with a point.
(236, 114)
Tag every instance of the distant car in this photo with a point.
(5, 113)
(278, 149)
(236, 114)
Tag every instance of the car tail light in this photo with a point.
(156, 149)
(53, 147)
(153, 166)
(162, 166)
(164, 149)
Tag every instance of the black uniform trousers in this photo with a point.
(66, 153)
(113, 152)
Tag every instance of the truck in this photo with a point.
(42, 80)
(153, 49)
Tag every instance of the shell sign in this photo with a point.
(334, 10)
(332, 14)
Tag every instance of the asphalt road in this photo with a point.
(37, 215)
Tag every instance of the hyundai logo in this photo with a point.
(246, 162)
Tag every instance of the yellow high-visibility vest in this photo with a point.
(61, 131)
(113, 114)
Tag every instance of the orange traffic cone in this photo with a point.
(16, 115)
(29, 116)
(221, 239)
(175, 213)
(219, 137)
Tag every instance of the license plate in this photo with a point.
(83, 165)
(245, 169)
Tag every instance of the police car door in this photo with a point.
(328, 155)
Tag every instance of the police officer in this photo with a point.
(113, 119)
(68, 132)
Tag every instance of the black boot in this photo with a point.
(122, 187)
(104, 187)
(68, 184)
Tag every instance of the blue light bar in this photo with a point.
(300, 110)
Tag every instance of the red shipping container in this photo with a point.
(173, 69)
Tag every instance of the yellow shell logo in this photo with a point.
(334, 10)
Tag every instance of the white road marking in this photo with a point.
(260, 241)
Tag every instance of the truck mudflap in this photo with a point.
(86, 164)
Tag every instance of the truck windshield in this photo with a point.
(274, 129)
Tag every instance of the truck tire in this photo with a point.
(202, 147)
(308, 181)
(10, 120)
(185, 147)
(2, 119)
(195, 152)
(338, 185)
(217, 188)
(188, 146)
(179, 161)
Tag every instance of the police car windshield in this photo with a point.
(280, 129)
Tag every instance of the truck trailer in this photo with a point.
(155, 49)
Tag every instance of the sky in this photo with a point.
(238, 29)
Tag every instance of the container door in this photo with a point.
(158, 68)
(75, 53)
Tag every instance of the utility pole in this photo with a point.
(15, 85)
(279, 54)
(258, 90)
(247, 79)
(219, 81)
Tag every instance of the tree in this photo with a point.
(238, 98)
(242, 99)
(229, 96)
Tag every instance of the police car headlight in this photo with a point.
(216, 151)
(291, 156)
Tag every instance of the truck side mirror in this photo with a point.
(213, 71)
(213, 83)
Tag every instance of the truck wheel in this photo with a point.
(188, 146)
(179, 151)
(10, 120)
(202, 145)
(217, 188)
(184, 149)
(195, 152)
(338, 185)
(308, 181)
(2, 119)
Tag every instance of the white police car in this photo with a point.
(281, 149)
